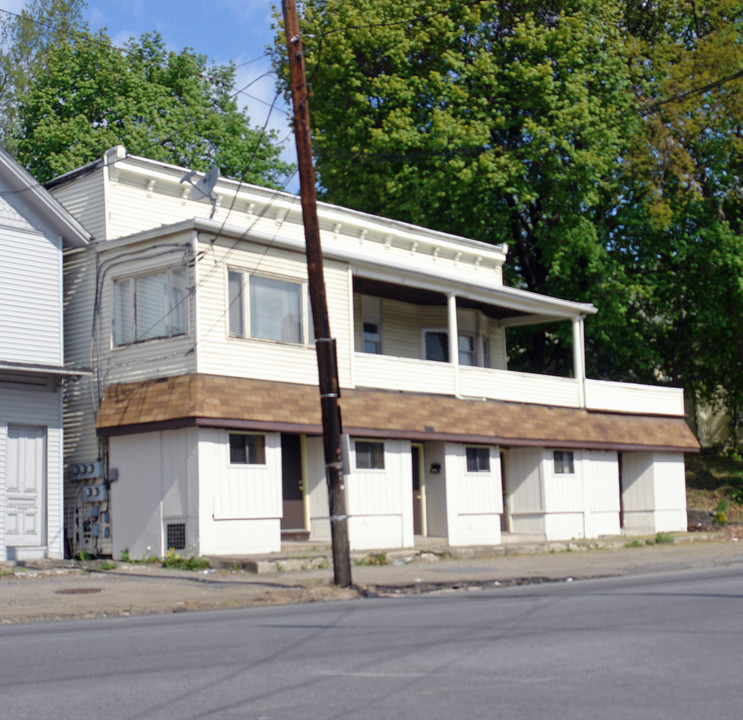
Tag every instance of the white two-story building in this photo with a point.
(34, 228)
(204, 410)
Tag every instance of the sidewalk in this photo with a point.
(60, 590)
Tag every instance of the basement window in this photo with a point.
(564, 464)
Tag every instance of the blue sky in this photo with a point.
(223, 30)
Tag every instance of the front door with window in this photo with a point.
(25, 496)
(292, 520)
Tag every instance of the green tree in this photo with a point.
(25, 39)
(502, 121)
(80, 96)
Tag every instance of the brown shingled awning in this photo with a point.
(240, 403)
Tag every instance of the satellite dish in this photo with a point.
(203, 187)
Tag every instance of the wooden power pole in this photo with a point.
(326, 356)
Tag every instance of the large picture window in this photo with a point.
(267, 308)
(150, 306)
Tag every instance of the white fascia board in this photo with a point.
(352, 223)
(482, 288)
(41, 201)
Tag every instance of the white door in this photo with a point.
(25, 490)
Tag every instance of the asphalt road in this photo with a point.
(649, 646)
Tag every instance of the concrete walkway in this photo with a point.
(59, 590)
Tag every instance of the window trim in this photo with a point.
(479, 469)
(570, 454)
(130, 281)
(470, 335)
(247, 463)
(370, 442)
(305, 311)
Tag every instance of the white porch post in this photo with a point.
(453, 339)
(579, 358)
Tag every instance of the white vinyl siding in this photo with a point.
(30, 298)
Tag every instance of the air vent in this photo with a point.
(176, 536)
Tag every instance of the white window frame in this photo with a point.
(370, 442)
(243, 312)
(479, 449)
(558, 466)
(247, 462)
(125, 326)
(471, 336)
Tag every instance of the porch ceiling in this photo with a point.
(240, 403)
(422, 296)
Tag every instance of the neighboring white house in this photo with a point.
(34, 228)
(204, 411)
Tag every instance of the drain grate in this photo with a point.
(78, 591)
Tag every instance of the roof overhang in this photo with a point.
(241, 403)
(40, 200)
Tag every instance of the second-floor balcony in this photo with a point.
(454, 343)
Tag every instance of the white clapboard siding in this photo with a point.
(518, 387)
(38, 407)
(9, 216)
(30, 298)
(398, 373)
(633, 398)
(401, 329)
(81, 444)
(84, 200)
(216, 351)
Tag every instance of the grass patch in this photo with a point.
(634, 544)
(664, 538)
(715, 481)
(379, 558)
(174, 561)
(108, 565)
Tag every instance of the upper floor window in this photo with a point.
(478, 459)
(263, 307)
(372, 338)
(436, 347)
(150, 306)
(564, 462)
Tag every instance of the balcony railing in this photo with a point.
(413, 375)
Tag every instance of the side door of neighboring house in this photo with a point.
(25, 495)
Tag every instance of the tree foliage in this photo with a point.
(601, 139)
(80, 96)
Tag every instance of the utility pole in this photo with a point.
(327, 364)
